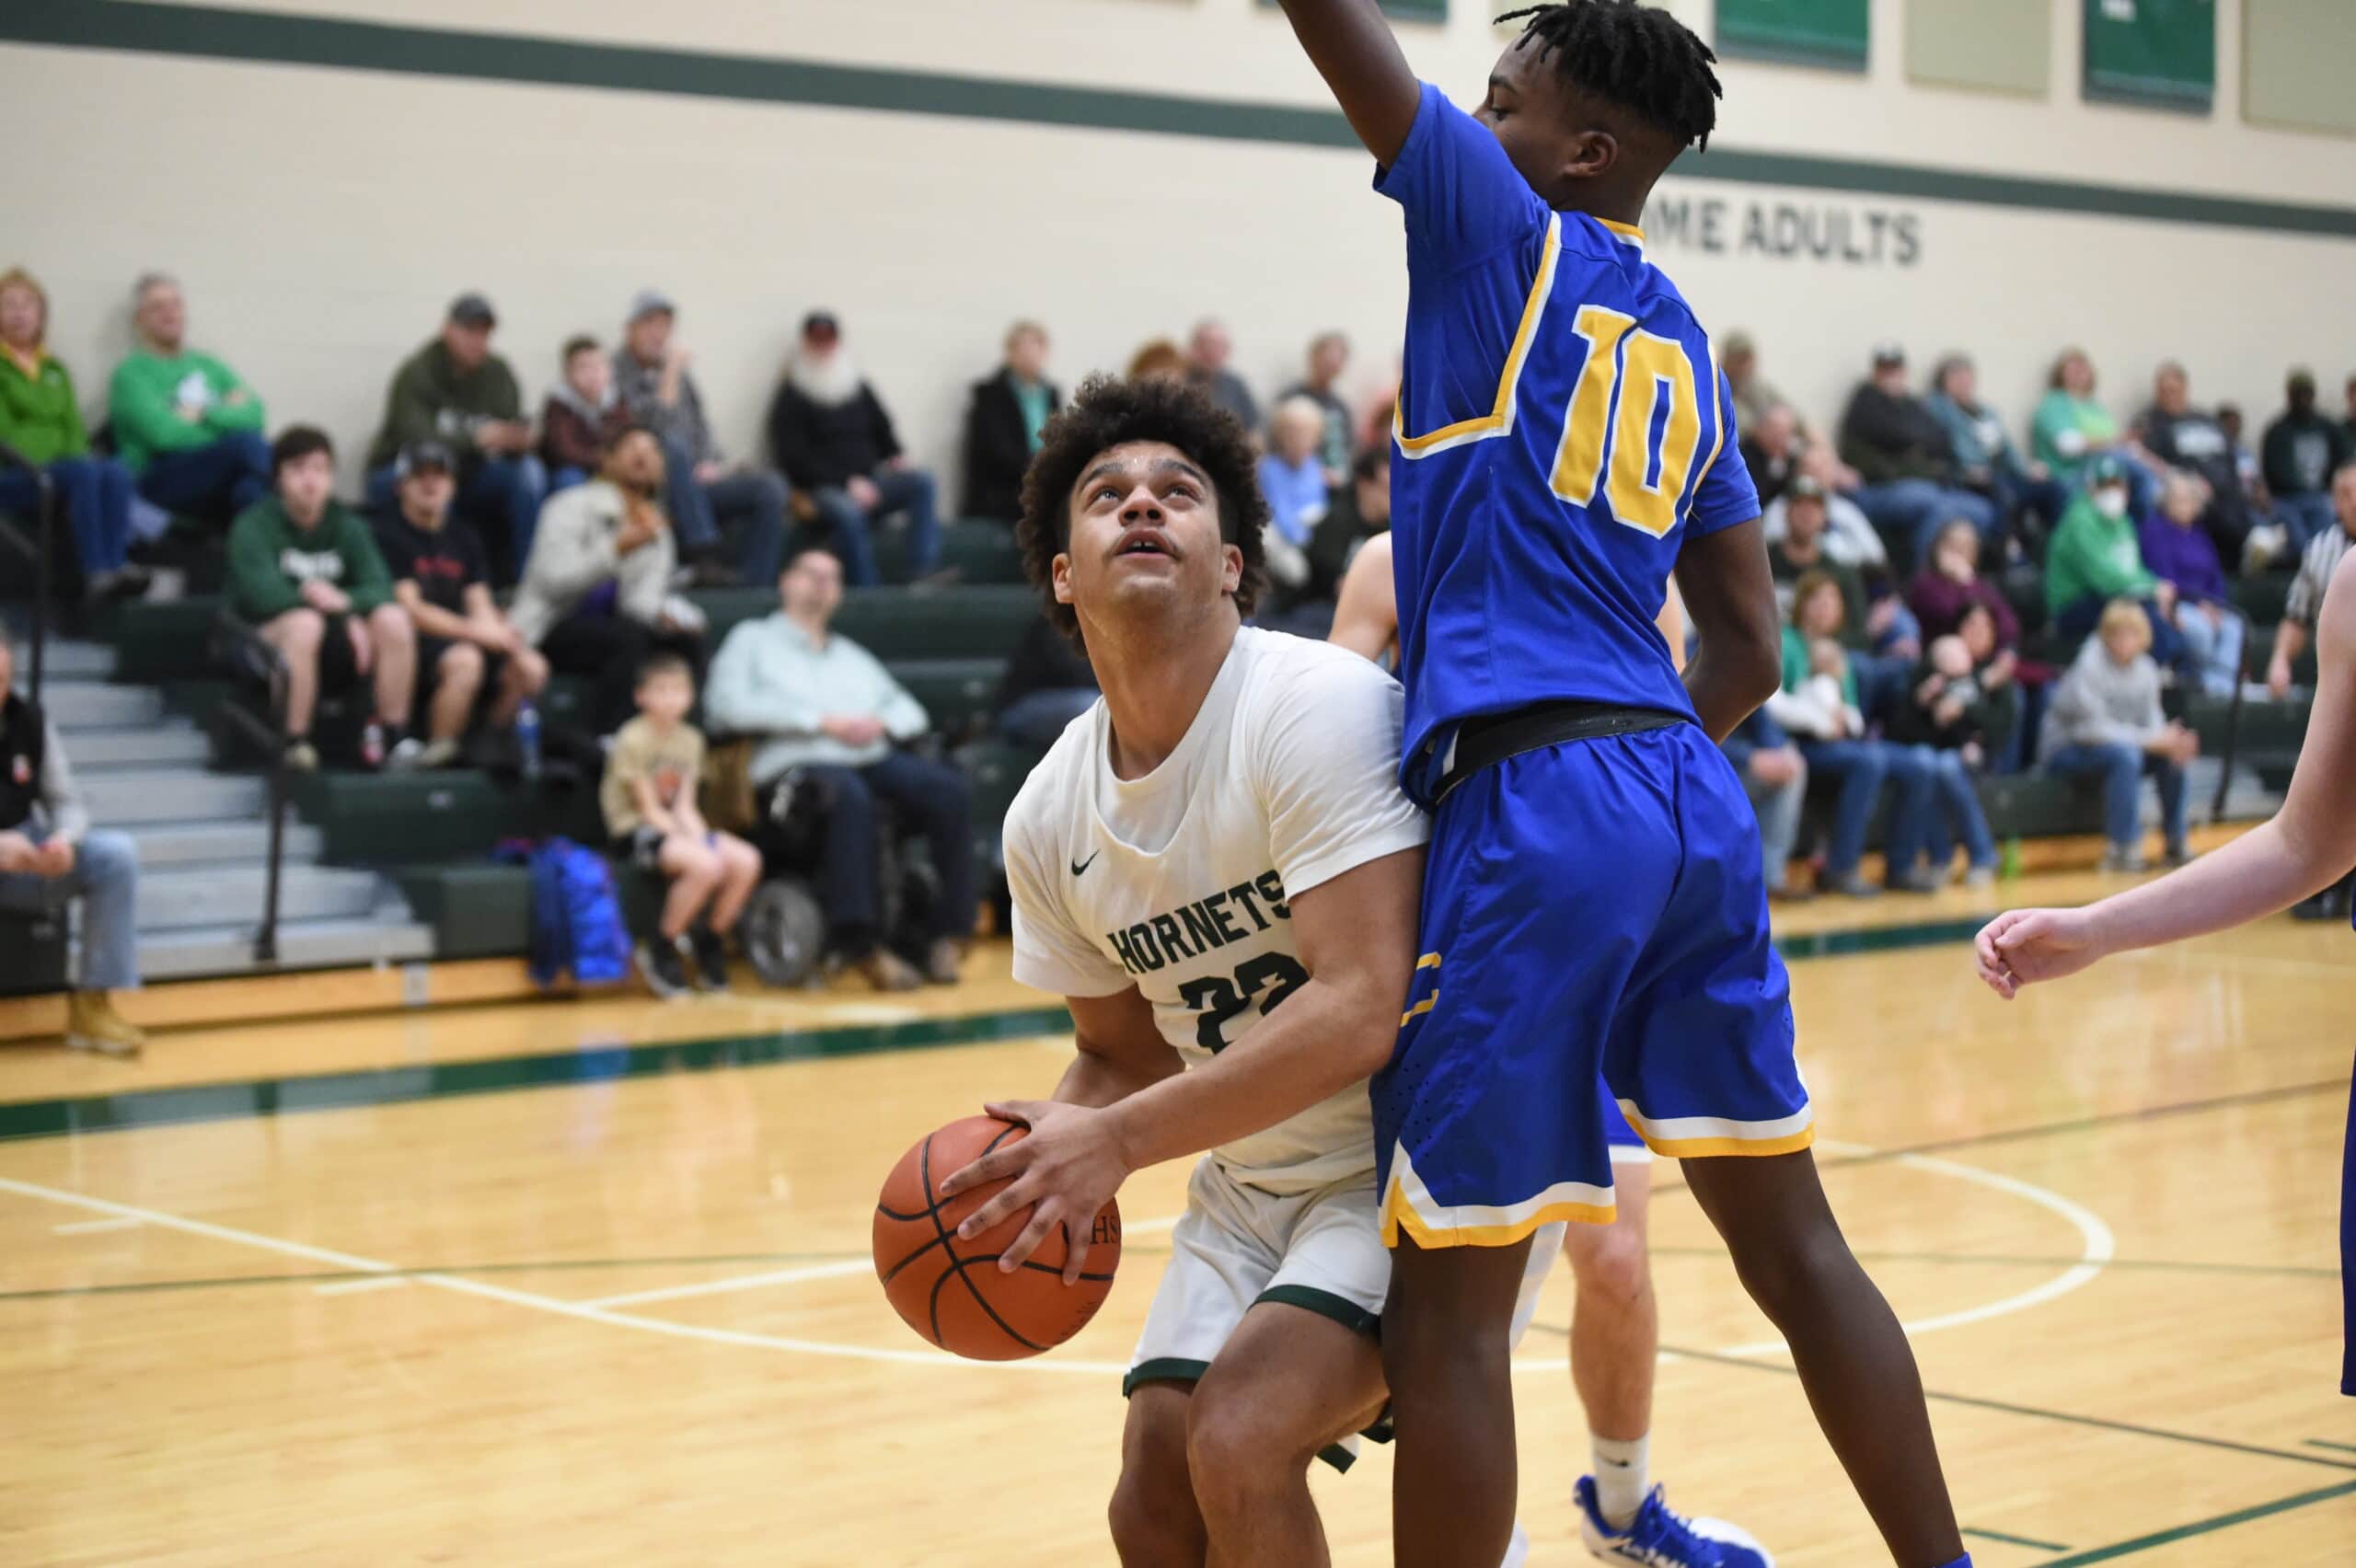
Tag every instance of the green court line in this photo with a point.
(2003, 1407)
(209, 32)
(2150, 1265)
(2205, 1527)
(2014, 1540)
(590, 1064)
(2322, 1443)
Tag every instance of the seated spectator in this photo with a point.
(648, 797)
(1753, 398)
(1987, 462)
(1329, 355)
(465, 644)
(595, 598)
(1901, 452)
(1949, 721)
(1208, 352)
(2190, 440)
(1849, 538)
(582, 416)
(1947, 596)
(41, 418)
(305, 572)
(455, 391)
(1359, 509)
(2178, 552)
(1772, 451)
(2302, 451)
(2071, 429)
(1292, 476)
(2229, 420)
(836, 443)
(1882, 625)
(820, 704)
(717, 506)
(1003, 417)
(1048, 683)
(2095, 558)
(2316, 564)
(2011, 688)
(1818, 706)
(184, 425)
(2106, 724)
(1158, 360)
(1774, 774)
(49, 855)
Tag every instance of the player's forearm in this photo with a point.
(2260, 872)
(1353, 47)
(1097, 1081)
(1326, 1037)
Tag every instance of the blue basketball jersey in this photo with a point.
(1562, 424)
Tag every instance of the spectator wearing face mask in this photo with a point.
(2095, 558)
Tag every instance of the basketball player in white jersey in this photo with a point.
(1215, 867)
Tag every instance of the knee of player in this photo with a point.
(1236, 1448)
(1152, 1507)
(1788, 1272)
(1617, 1267)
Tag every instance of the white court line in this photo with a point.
(839, 1269)
(354, 1286)
(198, 1228)
(92, 1226)
(2098, 1247)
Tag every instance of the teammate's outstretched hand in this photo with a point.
(1066, 1169)
(2022, 946)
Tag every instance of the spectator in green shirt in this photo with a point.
(2071, 429)
(40, 419)
(184, 423)
(2095, 558)
(304, 570)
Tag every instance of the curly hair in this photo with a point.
(1632, 54)
(1108, 412)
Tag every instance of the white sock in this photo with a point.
(1623, 1478)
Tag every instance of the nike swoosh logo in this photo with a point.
(1079, 866)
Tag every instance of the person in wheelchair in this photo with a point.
(823, 709)
(649, 800)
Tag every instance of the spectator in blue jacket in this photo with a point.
(1986, 460)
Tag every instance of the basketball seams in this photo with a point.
(958, 1264)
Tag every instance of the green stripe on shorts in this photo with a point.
(1325, 1304)
(1164, 1369)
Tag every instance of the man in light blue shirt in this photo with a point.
(821, 705)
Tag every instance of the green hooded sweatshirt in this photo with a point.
(38, 414)
(431, 397)
(144, 402)
(2094, 554)
(271, 560)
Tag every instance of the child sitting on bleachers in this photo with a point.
(1947, 715)
(649, 800)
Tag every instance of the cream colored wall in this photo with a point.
(322, 217)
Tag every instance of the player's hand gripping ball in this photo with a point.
(951, 1291)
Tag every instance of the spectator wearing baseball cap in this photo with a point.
(455, 391)
(1908, 464)
(466, 646)
(2095, 558)
(831, 435)
(719, 507)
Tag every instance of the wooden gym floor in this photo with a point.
(587, 1283)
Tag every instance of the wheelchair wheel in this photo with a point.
(784, 932)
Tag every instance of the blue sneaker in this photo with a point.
(1658, 1538)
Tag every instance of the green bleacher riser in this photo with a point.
(979, 553)
(396, 819)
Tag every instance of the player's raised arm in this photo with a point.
(1730, 596)
(1366, 617)
(1353, 47)
(2310, 843)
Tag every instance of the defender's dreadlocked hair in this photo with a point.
(1631, 54)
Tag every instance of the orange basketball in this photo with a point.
(951, 1291)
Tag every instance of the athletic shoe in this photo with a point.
(2122, 857)
(436, 754)
(711, 962)
(663, 968)
(407, 755)
(301, 756)
(92, 1024)
(1979, 876)
(2179, 855)
(1658, 1538)
(1851, 886)
(1918, 881)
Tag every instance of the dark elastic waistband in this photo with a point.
(1487, 740)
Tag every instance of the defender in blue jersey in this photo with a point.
(1594, 916)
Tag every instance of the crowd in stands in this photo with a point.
(1907, 539)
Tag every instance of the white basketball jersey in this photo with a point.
(1178, 883)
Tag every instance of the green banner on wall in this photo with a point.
(2162, 52)
(1807, 32)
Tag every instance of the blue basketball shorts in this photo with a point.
(1594, 945)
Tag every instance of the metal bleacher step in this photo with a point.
(91, 705)
(69, 660)
(215, 895)
(195, 951)
(126, 799)
(171, 743)
(165, 845)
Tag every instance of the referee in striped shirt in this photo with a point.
(2316, 567)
